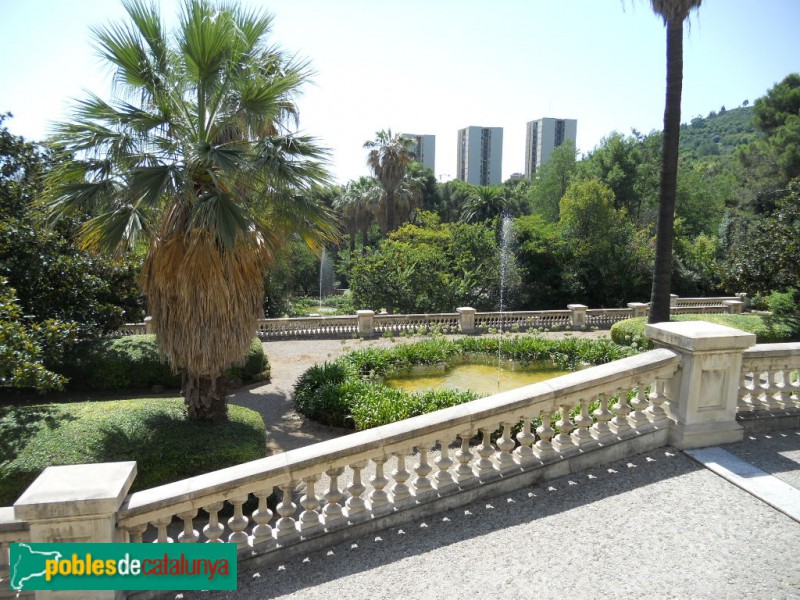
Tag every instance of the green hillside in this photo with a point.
(719, 133)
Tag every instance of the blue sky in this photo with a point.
(434, 66)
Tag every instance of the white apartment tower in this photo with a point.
(480, 155)
(542, 137)
(424, 147)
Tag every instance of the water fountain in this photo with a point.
(507, 265)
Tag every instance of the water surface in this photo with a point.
(482, 379)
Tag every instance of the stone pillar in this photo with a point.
(77, 503)
(466, 319)
(577, 316)
(744, 300)
(702, 395)
(149, 327)
(366, 322)
(733, 307)
(673, 300)
(638, 309)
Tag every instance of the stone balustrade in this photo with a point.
(366, 323)
(770, 378)
(568, 417)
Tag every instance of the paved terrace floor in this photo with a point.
(657, 525)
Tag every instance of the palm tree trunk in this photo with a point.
(389, 211)
(205, 397)
(662, 273)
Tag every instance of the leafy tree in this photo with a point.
(389, 158)
(430, 267)
(192, 155)
(24, 348)
(767, 257)
(542, 255)
(53, 278)
(673, 13)
(608, 259)
(552, 180)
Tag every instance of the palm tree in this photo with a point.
(388, 158)
(357, 204)
(674, 13)
(484, 203)
(192, 156)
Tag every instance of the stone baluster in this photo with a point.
(583, 421)
(770, 389)
(286, 526)
(423, 489)
(262, 532)
(443, 480)
(464, 456)
(135, 532)
(332, 511)
(400, 492)
(619, 424)
(189, 534)
(524, 453)
(378, 498)
(309, 518)
(793, 385)
(238, 522)
(544, 447)
(484, 467)
(655, 412)
(563, 441)
(743, 398)
(638, 417)
(504, 460)
(161, 524)
(600, 430)
(779, 380)
(356, 507)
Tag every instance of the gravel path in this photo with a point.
(657, 525)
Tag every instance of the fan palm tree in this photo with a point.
(674, 13)
(388, 158)
(193, 157)
(356, 204)
(484, 203)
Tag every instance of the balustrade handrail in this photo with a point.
(295, 465)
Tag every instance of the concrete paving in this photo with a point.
(657, 525)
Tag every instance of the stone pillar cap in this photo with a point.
(700, 336)
(76, 490)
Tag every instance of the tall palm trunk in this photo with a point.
(389, 211)
(662, 274)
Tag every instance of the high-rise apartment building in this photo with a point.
(424, 149)
(542, 137)
(480, 155)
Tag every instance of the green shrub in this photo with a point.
(348, 393)
(783, 304)
(152, 431)
(134, 362)
(768, 329)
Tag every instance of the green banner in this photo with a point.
(123, 567)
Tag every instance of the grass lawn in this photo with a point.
(152, 431)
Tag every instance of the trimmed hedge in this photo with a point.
(152, 431)
(133, 362)
(768, 329)
(348, 392)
